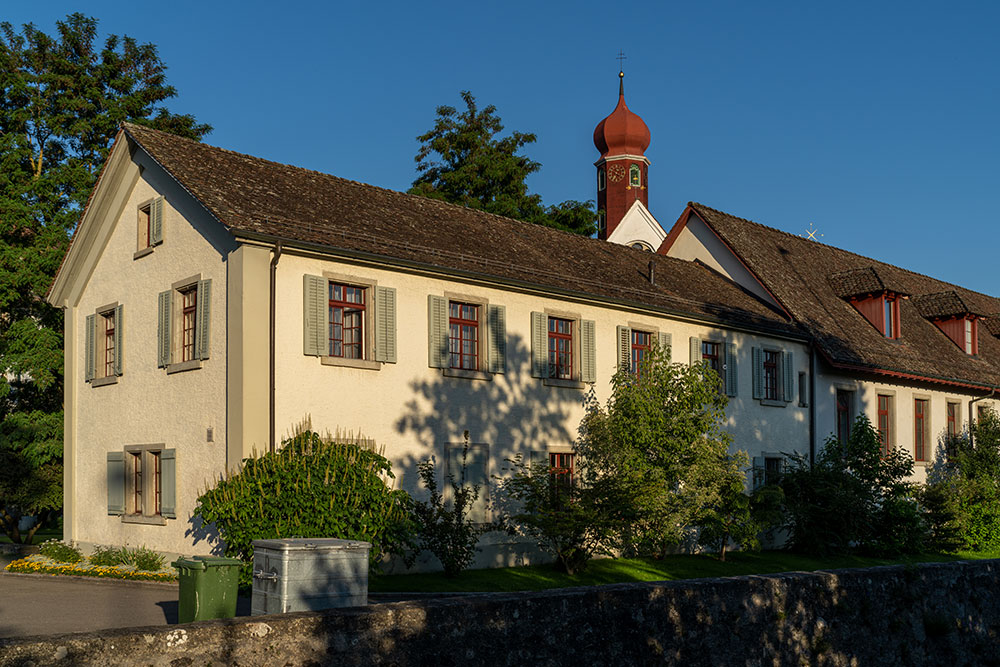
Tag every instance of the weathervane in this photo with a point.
(812, 232)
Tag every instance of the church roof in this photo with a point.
(810, 280)
(623, 132)
(258, 198)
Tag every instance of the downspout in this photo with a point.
(812, 402)
(973, 401)
(271, 318)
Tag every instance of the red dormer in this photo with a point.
(864, 289)
(949, 313)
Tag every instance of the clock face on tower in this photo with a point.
(616, 172)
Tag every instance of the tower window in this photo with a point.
(602, 221)
(602, 179)
(634, 176)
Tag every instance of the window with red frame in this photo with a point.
(109, 343)
(560, 348)
(952, 428)
(137, 482)
(155, 456)
(561, 469)
(463, 341)
(885, 423)
(920, 429)
(189, 317)
(771, 375)
(642, 342)
(347, 315)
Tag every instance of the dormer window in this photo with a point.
(952, 315)
(890, 316)
(865, 290)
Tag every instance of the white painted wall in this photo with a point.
(638, 224)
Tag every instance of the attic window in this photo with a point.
(865, 290)
(953, 316)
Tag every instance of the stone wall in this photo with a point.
(933, 614)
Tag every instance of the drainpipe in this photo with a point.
(271, 317)
(812, 402)
(973, 401)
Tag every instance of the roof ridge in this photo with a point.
(842, 250)
(143, 128)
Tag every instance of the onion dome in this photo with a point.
(623, 132)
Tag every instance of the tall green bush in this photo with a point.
(310, 487)
(853, 498)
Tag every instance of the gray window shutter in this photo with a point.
(758, 373)
(89, 328)
(730, 371)
(803, 390)
(496, 317)
(163, 323)
(437, 332)
(537, 457)
(385, 325)
(624, 348)
(315, 313)
(694, 353)
(539, 345)
(588, 351)
(475, 475)
(116, 483)
(758, 472)
(204, 319)
(156, 221)
(788, 364)
(118, 339)
(168, 483)
(665, 345)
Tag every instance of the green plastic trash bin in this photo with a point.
(208, 586)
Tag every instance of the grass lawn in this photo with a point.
(612, 571)
(47, 533)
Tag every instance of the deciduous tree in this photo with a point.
(62, 99)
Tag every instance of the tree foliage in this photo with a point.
(736, 515)
(62, 98)
(464, 160)
(657, 451)
(853, 498)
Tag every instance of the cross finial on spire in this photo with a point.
(621, 73)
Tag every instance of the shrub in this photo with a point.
(107, 556)
(565, 518)
(853, 498)
(738, 516)
(310, 487)
(443, 527)
(142, 558)
(60, 551)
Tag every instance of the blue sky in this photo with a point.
(875, 121)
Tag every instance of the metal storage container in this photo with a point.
(305, 574)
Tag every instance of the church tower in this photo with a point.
(622, 169)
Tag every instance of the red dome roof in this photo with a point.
(623, 132)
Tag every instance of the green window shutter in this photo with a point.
(315, 313)
(385, 325)
(665, 345)
(624, 348)
(168, 483)
(163, 323)
(537, 457)
(539, 345)
(116, 483)
(156, 221)
(588, 351)
(732, 379)
(204, 319)
(497, 325)
(758, 372)
(437, 332)
(476, 475)
(694, 351)
(118, 339)
(789, 367)
(89, 326)
(758, 472)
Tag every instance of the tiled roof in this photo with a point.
(992, 323)
(797, 272)
(856, 282)
(942, 304)
(250, 195)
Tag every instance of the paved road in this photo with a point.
(46, 606)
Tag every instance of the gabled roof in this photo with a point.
(259, 199)
(942, 305)
(858, 282)
(797, 271)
